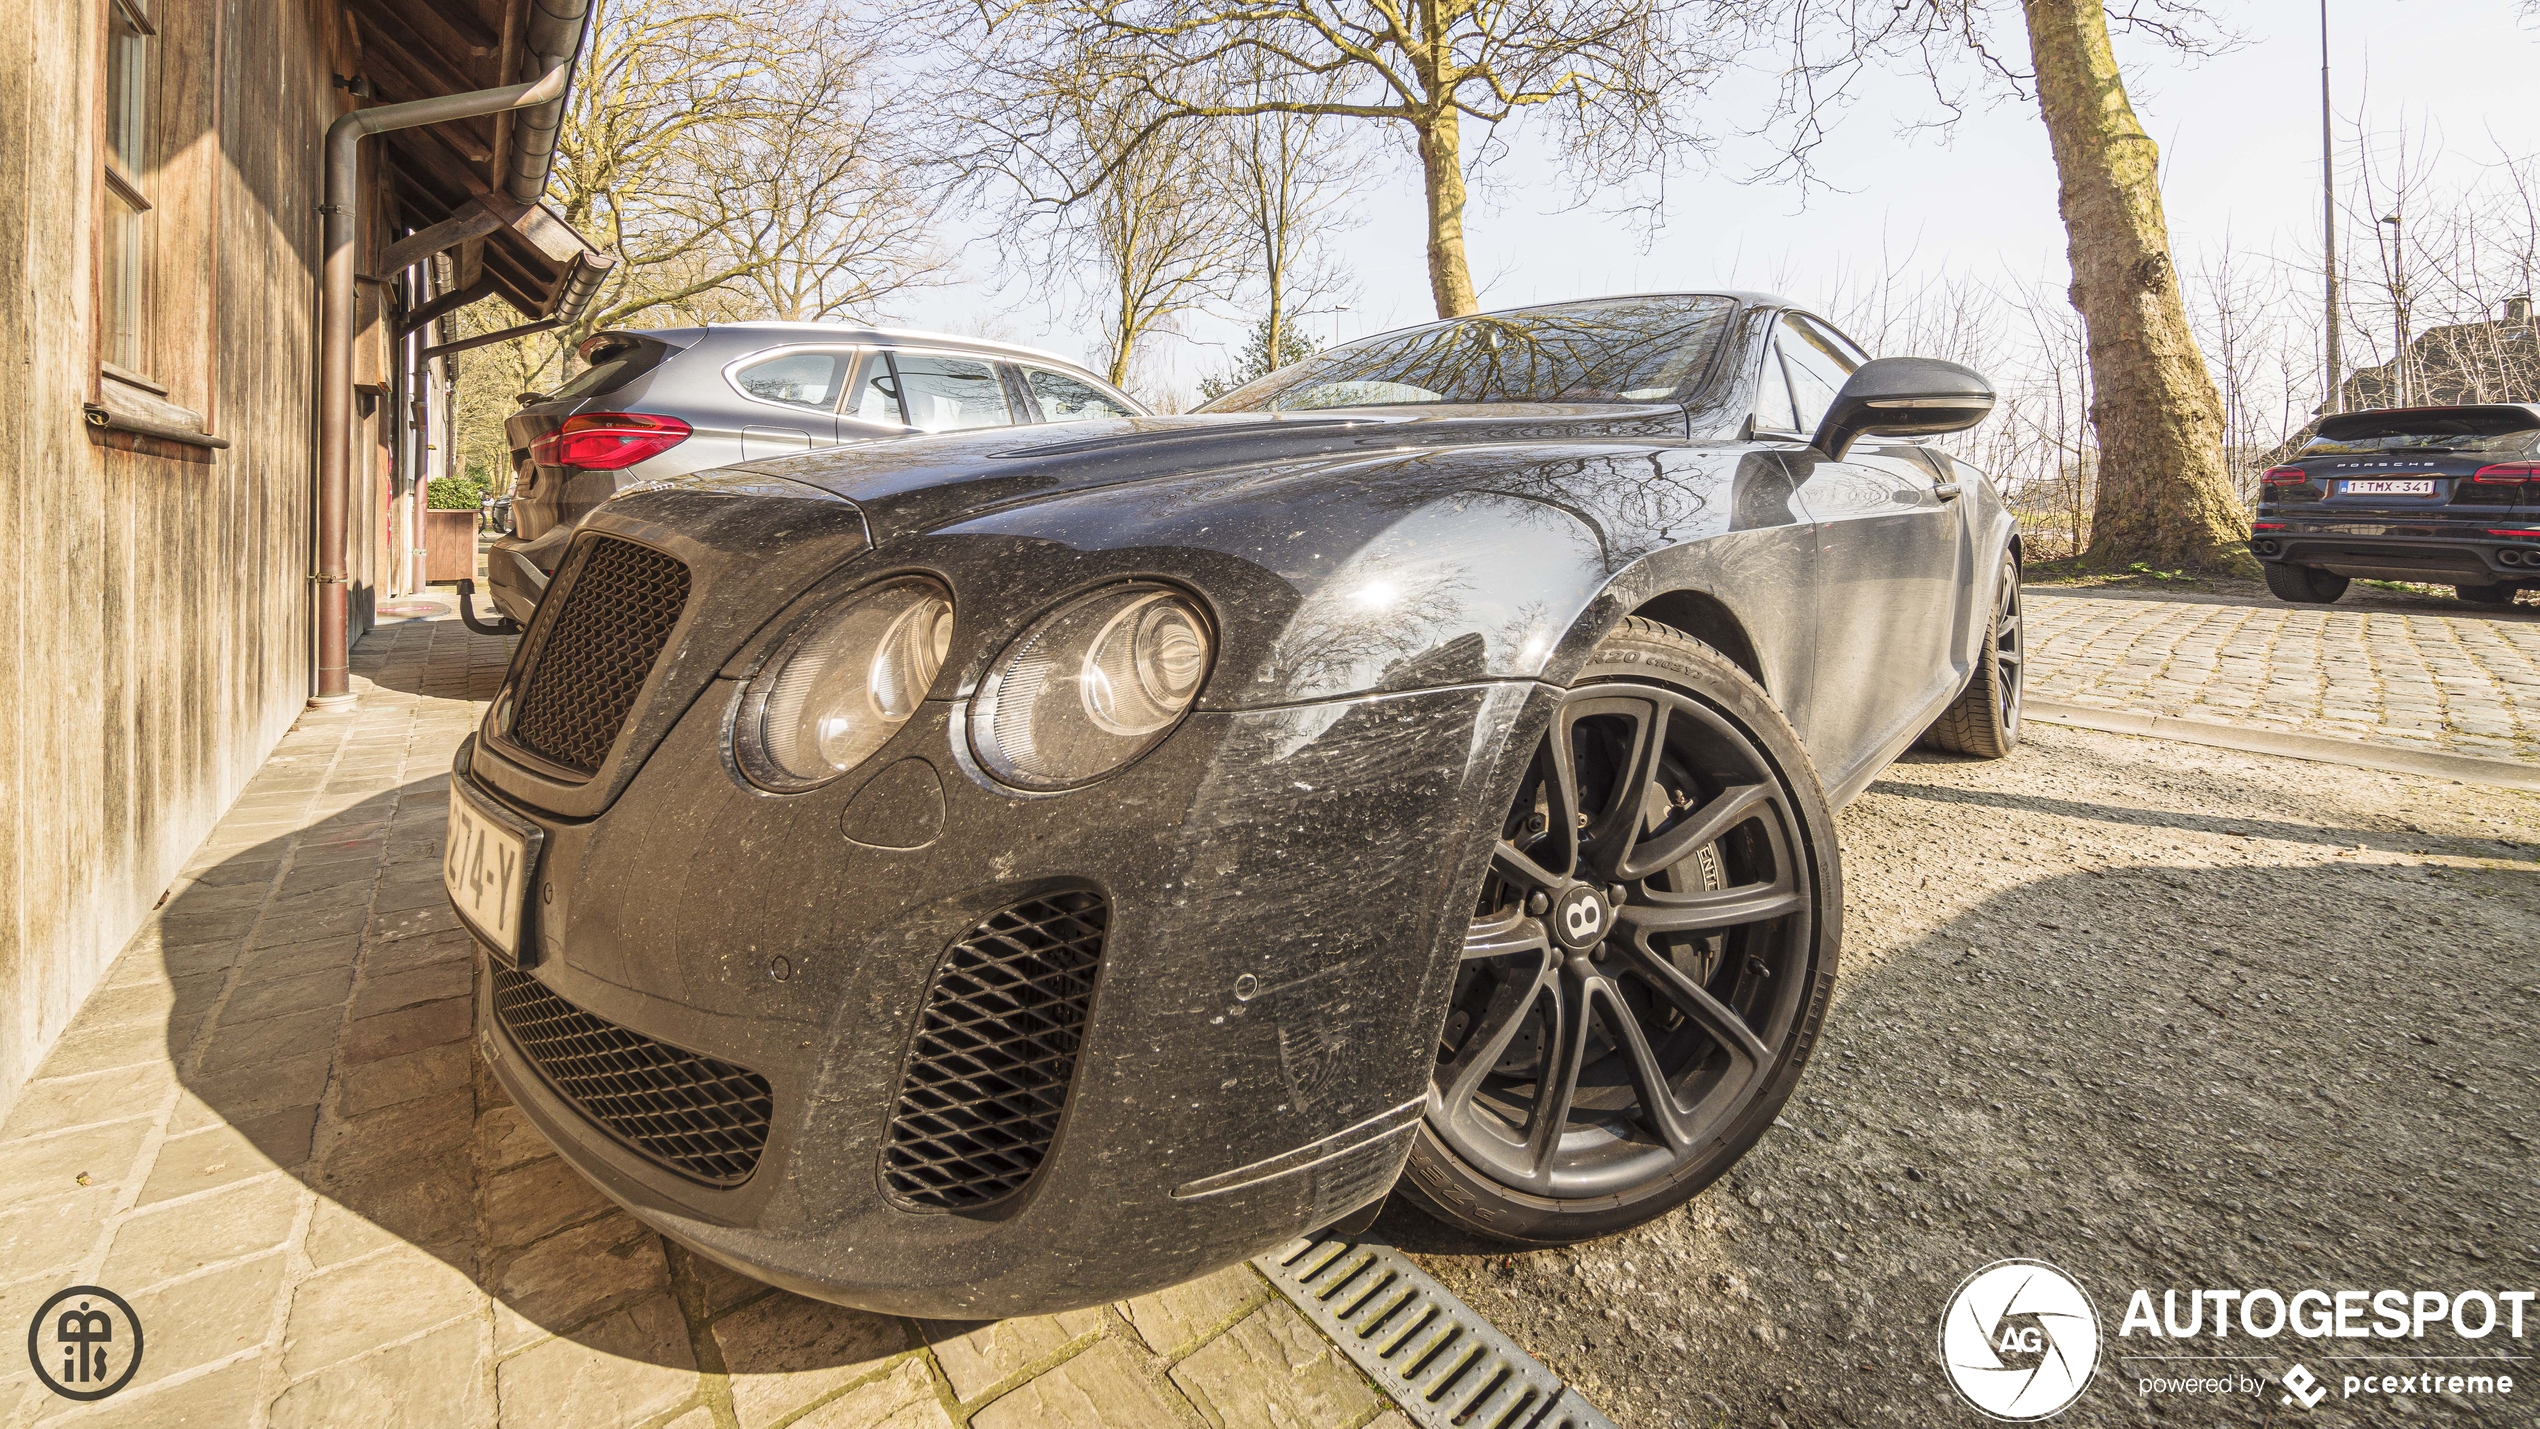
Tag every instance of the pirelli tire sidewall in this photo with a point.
(1441, 1183)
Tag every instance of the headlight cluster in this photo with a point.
(844, 685)
(1095, 684)
(1091, 686)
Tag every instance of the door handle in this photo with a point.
(1946, 491)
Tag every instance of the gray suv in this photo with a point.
(669, 401)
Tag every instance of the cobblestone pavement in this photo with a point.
(267, 1132)
(2454, 684)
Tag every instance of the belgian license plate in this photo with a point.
(485, 866)
(2390, 486)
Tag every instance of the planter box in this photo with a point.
(449, 546)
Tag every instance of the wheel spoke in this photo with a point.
(1613, 831)
(1511, 1003)
(1657, 1098)
(1514, 864)
(1561, 803)
(1716, 1018)
(1511, 935)
(1726, 810)
(1557, 1083)
(1713, 908)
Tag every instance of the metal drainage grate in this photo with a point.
(1444, 1364)
(620, 602)
(995, 1052)
(699, 1117)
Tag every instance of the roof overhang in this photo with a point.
(469, 187)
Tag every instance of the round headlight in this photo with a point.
(844, 685)
(1095, 684)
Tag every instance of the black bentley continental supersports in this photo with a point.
(992, 872)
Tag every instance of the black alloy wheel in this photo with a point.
(1648, 959)
(1985, 718)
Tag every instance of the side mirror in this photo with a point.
(1904, 397)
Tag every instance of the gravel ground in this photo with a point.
(2164, 1016)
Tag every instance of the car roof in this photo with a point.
(1745, 297)
(2336, 422)
(776, 332)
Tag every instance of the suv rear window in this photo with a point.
(2470, 432)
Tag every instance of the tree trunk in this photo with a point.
(1277, 323)
(1442, 170)
(1119, 370)
(2164, 491)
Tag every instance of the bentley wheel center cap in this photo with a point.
(1579, 918)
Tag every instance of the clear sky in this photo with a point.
(2239, 135)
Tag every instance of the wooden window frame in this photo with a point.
(139, 357)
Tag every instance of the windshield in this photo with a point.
(1611, 350)
(2468, 433)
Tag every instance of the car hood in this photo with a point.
(909, 485)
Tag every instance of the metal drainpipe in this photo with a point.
(555, 32)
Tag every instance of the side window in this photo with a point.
(950, 394)
(797, 379)
(1773, 412)
(876, 394)
(1069, 399)
(1818, 369)
(125, 265)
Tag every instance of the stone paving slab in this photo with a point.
(267, 1131)
(2454, 684)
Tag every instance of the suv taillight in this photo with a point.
(608, 441)
(2285, 476)
(2512, 473)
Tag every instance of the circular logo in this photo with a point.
(2020, 1340)
(1579, 918)
(85, 1343)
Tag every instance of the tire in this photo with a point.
(2501, 593)
(1985, 718)
(2304, 585)
(1722, 1010)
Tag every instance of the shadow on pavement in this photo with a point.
(342, 1049)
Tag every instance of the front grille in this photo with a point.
(699, 1117)
(620, 602)
(995, 1051)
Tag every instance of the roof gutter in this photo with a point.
(555, 34)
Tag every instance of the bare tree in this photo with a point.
(1151, 241)
(1617, 74)
(819, 211)
(725, 153)
(1290, 182)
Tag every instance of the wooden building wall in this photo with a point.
(155, 615)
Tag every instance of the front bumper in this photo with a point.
(2433, 554)
(1283, 892)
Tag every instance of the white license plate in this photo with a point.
(2388, 486)
(486, 868)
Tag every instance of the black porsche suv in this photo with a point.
(2442, 495)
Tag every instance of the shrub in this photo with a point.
(453, 493)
